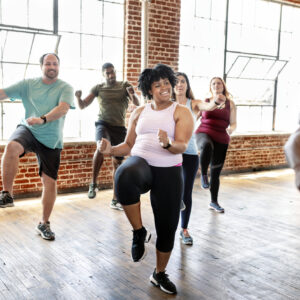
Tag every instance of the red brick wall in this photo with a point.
(164, 32)
(251, 152)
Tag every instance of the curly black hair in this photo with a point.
(148, 76)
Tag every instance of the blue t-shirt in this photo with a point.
(39, 99)
(192, 146)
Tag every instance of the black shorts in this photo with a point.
(48, 159)
(115, 134)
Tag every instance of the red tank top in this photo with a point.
(215, 122)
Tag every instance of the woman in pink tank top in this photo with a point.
(158, 134)
(213, 136)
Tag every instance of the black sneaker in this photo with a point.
(6, 200)
(162, 281)
(92, 190)
(140, 237)
(45, 231)
(215, 206)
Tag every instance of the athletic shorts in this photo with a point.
(48, 159)
(115, 134)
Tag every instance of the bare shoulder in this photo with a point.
(232, 104)
(182, 111)
(136, 113)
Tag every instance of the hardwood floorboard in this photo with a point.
(250, 252)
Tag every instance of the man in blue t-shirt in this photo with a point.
(46, 100)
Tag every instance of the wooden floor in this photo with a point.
(250, 252)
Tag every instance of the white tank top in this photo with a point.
(147, 145)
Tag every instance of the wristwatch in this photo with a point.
(43, 117)
(217, 103)
(169, 144)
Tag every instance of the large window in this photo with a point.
(84, 33)
(253, 45)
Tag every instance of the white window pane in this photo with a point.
(203, 8)
(187, 22)
(33, 71)
(186, 59)
(92, 16)
(69, 50)
(69, 15)
(15, 41)
(12, 73)
(218, 10)
(14, 12)
(113, 52)
(42, 44)
(235, 11)
(271, 18)
(13, 113)
(41, 14)
(91, 51)
(113, 20)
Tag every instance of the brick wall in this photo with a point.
(164, 32)
(250, 152)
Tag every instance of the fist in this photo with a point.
(163, 137)
(78, 94)
(104, 146)
(130, 90)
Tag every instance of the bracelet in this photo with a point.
(43, 117)
(168, 145)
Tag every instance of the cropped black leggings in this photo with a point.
(135, 177)
(190, 165)
(212, 153)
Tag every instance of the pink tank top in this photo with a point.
(215, 122)
(147, 145)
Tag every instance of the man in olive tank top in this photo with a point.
(113, 97)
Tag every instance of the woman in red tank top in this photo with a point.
(213, 136)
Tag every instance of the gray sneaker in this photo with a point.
(114, 204)
(215, 206)
(45, 231)
(92, 190)
(187, 240)
(6, 200)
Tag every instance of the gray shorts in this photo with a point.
(48, 159)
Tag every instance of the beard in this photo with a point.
(51, 74)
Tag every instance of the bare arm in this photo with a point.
(124, 148)
(199, 105)
(86, 101)
(2, 94)
(232, 125)
(183, 131)
(56, 113)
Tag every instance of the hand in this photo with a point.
(104, 146)
(131, 108)
(34, 121)
(78, 94)
(229, 131)
(130, 90)
(163, 138)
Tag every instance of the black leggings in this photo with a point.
(212, 153)
(190, 165)
(135, 177)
